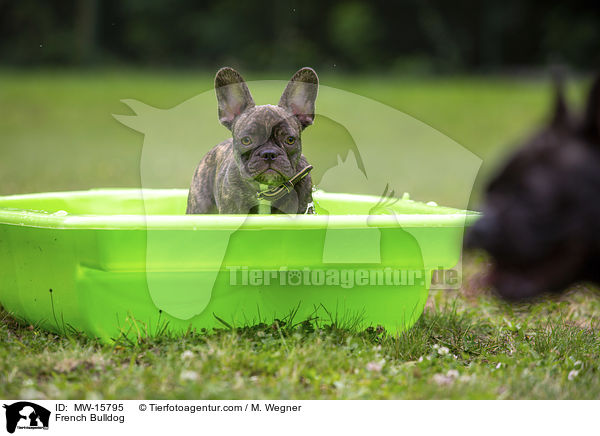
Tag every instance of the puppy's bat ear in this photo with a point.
(300, 94)
(233, 95)
(591, 120)
(560, 117)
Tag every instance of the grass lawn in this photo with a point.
(57, 132)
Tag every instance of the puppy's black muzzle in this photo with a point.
(269, 153)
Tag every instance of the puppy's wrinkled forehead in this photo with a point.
(260, 121)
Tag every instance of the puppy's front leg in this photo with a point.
(200, 197)
(200, 205)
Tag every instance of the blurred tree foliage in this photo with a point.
(405, 35)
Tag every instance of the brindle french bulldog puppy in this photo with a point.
(541, 217)
(265, 150)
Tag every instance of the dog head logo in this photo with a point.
(26, 415)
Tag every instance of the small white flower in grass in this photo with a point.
(453, 373)
(187, 355)
(189, 376)
(375, 366)
(499, 365)
(393, 370)
(574, 373)
(443, 351)
(447, 379)
(442, 380)
(420, 359)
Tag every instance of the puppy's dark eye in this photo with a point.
(290, 140)
(246, 140)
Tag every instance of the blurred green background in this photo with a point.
(475, 71)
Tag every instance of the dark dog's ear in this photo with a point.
(233, 95)
(560, 117)
(591, 120)
(300, 95)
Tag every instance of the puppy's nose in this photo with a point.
(268, 154)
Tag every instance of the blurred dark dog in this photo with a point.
(541, 216)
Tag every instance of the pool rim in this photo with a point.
(445, 216)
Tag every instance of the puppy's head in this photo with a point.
(541, 213)
(266, 139)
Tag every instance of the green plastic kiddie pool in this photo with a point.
(112, 262)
